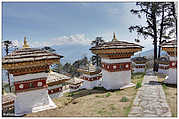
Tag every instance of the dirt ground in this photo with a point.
(171, 95)
(93, 103)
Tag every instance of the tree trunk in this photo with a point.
(155, 37)
(161, 32)
(97, 60)
(7, 51)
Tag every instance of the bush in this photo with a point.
(124, 99)
(164, 86)
(108, 94)
(138, 85)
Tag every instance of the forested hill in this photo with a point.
(71, 69)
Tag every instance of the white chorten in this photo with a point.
(139, 64)
(163, 65)
(116, 63)
(29, 67)
(171, 48)
(91, 76)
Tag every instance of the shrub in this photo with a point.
(138, 85)
(99, 96)
(164, 86)
(124, 99)
(108, 94)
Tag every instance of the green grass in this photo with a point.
(103, 96)
(108, 94)
(139, 84)
(124, 99)
(99, 96)
(137, 77)
(127, 110)
(164, 86)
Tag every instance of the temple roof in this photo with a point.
(139, 59)
(163, 59)
(75, 81)
(8, 98)
(116, 49)
(29, 54)
(170, 44)
(116, 44)
(55, 77)
(89, 69)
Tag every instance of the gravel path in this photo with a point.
(150, 100)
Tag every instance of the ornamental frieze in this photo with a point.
(115, 67)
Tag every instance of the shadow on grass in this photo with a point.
(85, 92)
(153, 83)
(170, 85)
(161, 83)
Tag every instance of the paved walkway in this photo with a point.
(150, 100)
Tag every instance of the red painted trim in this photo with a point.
(74, 87)
(26, 84)
(164, 67)
(140, 66)
(55, 90)
(173, 64)
(91, 78)
(115, 67)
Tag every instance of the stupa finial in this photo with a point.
(25, 43)
(114, 37)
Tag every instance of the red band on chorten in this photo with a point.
(173, 64)
(115, 67)
(164, 67)
(55, 90)
(91, 78)
(30, 84)
(140, 66)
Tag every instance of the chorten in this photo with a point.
(171, 48)
(163, 65)
(139, 64)
(55, 82)
(116, 63)
(75, 84)
(30, 67)
(91, 76)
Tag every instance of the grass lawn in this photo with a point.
(94, 103)
(171, 95)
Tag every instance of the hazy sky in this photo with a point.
(60, 23)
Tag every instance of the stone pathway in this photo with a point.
(150, 100)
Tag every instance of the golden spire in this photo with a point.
(25, 43)
(114, 37)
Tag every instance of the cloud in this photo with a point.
(63, 40)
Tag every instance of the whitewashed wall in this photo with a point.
(172, 73)
(172, 76)
(56, 95)
(139, 70)
(26, 102)
(90, 84)
(163, 71)
(115, 80)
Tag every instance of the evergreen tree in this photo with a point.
(96, 59)
(158, 22)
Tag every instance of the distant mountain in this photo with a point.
(149, 53)
(72, 53)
